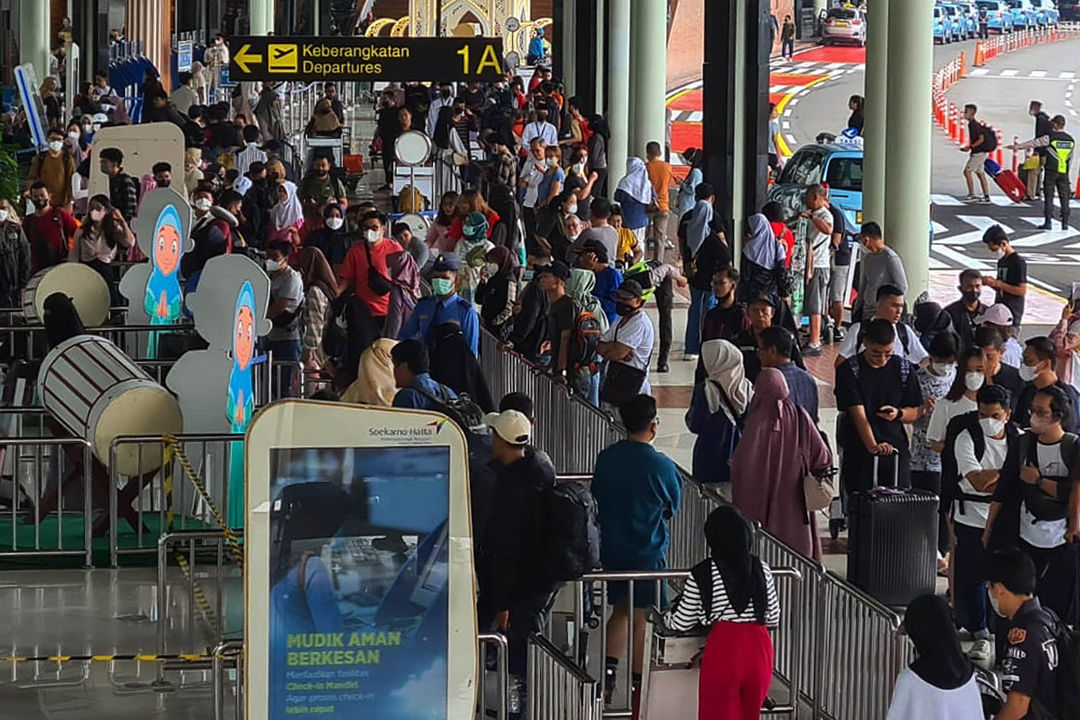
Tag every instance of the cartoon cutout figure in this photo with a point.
(164, 298)
(241, 403)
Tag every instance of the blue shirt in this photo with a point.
(637, 490)
(412, 397)
(432, 311)
(544, 188)
(607, 283)
(635, 215)
(802, 388)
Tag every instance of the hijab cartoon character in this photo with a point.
(241, 403)
(164, 299)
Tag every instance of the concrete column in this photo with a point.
(34, 36)
(261, 16)
(601, 64)
(874, 131)
(649, 65)
(618, 90)
(568, 49)
(907, 198)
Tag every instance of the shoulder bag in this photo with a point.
(622, 382)
(818, 492)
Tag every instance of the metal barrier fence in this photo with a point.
(497, 706)
(34, 471)
(559, 689)
(167, 494)
(570, 430)
(228, 656)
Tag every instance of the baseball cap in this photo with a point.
(995, 234)
(629, 289)
(997, 314)
(510, 425)
(767, 299)
(445, 263)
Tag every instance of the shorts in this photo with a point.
(816, 294)
(644, 590)
(838, 276)
(977, 164)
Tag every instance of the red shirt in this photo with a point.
(783, 234)
(50, 237)
(355, 272)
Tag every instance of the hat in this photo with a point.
(998, 314)
(768, 299)
(510, 425)
(995, 234)
(629, 289)
(558, 268)
(445, 263)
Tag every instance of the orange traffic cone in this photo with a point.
(963, 65)
(1077, 193)
(980, 59)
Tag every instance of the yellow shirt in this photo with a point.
(627, 243)
(660, 177)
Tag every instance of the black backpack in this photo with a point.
(950, 475)
(461, 409)
(572, 545)
(1039, 504)
(990, 141)
(1066, 672)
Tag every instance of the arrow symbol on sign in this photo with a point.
(244, 57)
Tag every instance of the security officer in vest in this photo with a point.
(1059, 151)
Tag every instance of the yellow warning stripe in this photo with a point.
(115, 657)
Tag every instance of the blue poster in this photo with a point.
(358, 582)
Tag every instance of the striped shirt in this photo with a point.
(250, 153)
(688, 613)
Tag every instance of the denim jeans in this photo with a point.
(701, 302)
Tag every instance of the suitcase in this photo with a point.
(892, 542)
(1011, 185)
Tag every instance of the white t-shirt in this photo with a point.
(915, 354)
(915, 699)
(974, 514)
(819, 241)
(290, 287)
(543, 130)
(1012, 353)
(1045, 533)
(533, 172)
(635, 331)
(944, 412)
(1074, 329)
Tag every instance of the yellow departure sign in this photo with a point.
(363, 58)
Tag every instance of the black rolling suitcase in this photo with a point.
(892, 542)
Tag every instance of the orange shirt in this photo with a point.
(660, 177)
(355, 271)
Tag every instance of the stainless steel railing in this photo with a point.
(494, 704)
(559, 689)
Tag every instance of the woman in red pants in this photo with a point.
(734, 592)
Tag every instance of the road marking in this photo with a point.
(939, 229)
(1038, 73)
(777, 89)
(786, 124)
(979, 71)
(696, 116)
(1067, 75)
(1068, 103)
(792, 140)
(835, 65)
(980, 223)
(1002, 201)
(1046, 237)
(961, 259)
(793, 102)
(1009, 73)
(945, 200)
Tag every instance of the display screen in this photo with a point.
(358, 582)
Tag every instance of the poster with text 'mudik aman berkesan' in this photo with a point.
(360, 553)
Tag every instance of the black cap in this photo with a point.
(629, 289)
(558, 268)
(995, 234)
(767, 299)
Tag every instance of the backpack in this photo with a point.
(586, 336)
(410, 200)
(990, 142)
(1066, 672)
(572, 544)
(950, 474)
(1038, 503)
(461, 409)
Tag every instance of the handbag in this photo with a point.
(378, 282)
(818, 492)
(622, 382)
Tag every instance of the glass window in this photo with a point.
(845, 173)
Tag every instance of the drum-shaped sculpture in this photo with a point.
(85, 286)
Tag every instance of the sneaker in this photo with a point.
(669, 245)
(662, 367)
(838, 335)
(981, 653)
(970, 198)
(986, 200)
(812, 351)
(690, 357)
(1046, 226)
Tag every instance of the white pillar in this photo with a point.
(261, 16)
(34, 24)
(907, 197)
(649, 65)
(568, 51)
(874, 130)
(618, 89)
(598, 98)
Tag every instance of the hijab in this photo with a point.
(374, 384)
(327, 121)
(726, 377)
(761, 247)
(580, 287)
(770, 395)
(315, 271)
(636, 183)
(940, 662)
(288, 213)
(61, 319)
(403, 271)
(503, 258)
(730, 539)
(700, 225)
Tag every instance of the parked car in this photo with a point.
(999, 15)
(839, 165)
(943, 26)
(969, 11)
(1046, 12)
(844, 25)
(1023, 14)
(959, 23)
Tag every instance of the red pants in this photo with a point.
(736, 672)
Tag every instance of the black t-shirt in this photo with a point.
(1031, 656)
(1013, 270)
(747, 342)
(474, 99)
(977, 130)
(1008, 377)
(874, 388)
(963, 321)
(842, 256)
(711, 256)
(561, 317)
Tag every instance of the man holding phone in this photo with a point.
(877, 393)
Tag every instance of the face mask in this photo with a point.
(974, 380)
(998, 254)
(624, 308)
(551, 162)
(579, 168)
(571, 209)
(1028, 373)
(372, 236)
(97, 215)
(74, 135)
(56, 145)
(203, 204)
(969, 296)
(3, 215)
(164, 183)
(442, 286)
(943, 369)
(991, 427)
(994, 605)
(491, 268)
(40, 204)
(335, 223)
(1039, 424)
(272, 266)
(322, 172)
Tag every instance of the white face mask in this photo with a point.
(974, 380)
(56, 145)
(579, 168)
(335, 223)
(74, 135)
(994, 605)
(998, 254)
(97, 215)
(943, 369)
(3, 215)
(491, 268)
(551, 162)
(272, 266)
(1028, 373)
(203, 204)
(991, 427)
(571, 209)
(372, 236)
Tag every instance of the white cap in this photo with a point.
(512, 426)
